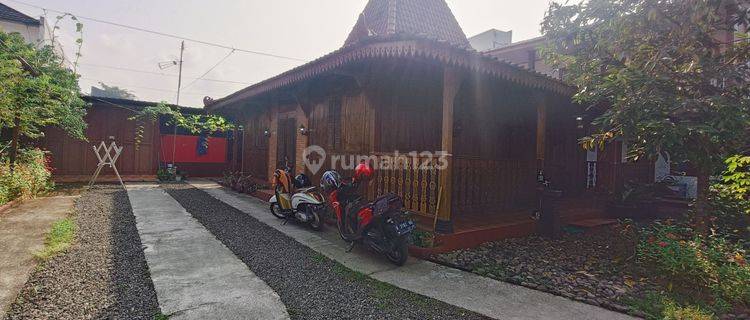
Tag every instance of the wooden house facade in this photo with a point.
(407, 81)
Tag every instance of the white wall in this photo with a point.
(491, 39)
(32, 34)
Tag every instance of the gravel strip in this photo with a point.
(103, 274)
(595, 267)
(310, 285)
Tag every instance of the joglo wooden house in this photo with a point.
(406, 80)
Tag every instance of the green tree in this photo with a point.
(195, 123)
(112, 92)
(36, 91)
(663, 75)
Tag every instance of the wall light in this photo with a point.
(303, 131)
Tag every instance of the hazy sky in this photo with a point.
(304, 29)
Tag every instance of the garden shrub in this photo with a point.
(673, 311)
(730, 216)
(709, 265)
(423, 239)
(30, 178)
(660, 306)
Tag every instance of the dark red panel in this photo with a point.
(187, 149)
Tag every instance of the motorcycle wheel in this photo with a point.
(276, 211)
(399, 254)
(317, 221)
(344, 231)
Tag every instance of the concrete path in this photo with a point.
(486, 296)
(194, 274)
(22, 232)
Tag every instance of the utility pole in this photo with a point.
(179, 74)
(179, 85)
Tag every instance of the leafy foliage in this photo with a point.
(36, 90)
(195, 123)
(730, 215)
(660, 74)
(79, 35)
(30, 178)
(690, 262)
(737, 176)
(115, 92)
(423, 239)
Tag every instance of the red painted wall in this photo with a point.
(187, 149)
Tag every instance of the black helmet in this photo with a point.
(331, 180)
(302, 181)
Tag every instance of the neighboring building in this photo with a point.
(108, 120)
(11, 20)
(525, 54)
(407, 80)
(491, 39)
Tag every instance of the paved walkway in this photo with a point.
(486, 296)
(22, 232)
(194, 274)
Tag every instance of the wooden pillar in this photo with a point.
(273, 140)
(302, 115)
(541, 133)
(451, 85)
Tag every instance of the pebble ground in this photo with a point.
(103, 275)
(310, 285)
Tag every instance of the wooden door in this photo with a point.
(286, 145)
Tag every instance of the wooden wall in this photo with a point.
(254, 158)
(565, 162)
(75, 160)
(409, 108)
(494, 141)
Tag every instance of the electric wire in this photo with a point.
(158, 73)
(210, 69)
(164, 33)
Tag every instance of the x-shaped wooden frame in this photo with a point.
(107, 159)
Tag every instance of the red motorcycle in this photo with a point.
(382, 224)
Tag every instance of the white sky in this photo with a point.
(304, 29)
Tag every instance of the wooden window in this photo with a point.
(334, 123)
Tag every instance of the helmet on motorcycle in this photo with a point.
(301, 181)
(330, 180)
(363, 172)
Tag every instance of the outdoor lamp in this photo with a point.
(303, 131)
(266, 133)
(579, 121)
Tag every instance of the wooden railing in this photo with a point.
(491, 185)
(478, 185)
(415, 180)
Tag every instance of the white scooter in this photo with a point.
(305, 204)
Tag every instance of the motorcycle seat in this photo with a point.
(304, 190)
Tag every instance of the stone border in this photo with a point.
(13, 203)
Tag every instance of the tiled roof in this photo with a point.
(399, 46)
(9, 14)
(424, 29)
(423, 18)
